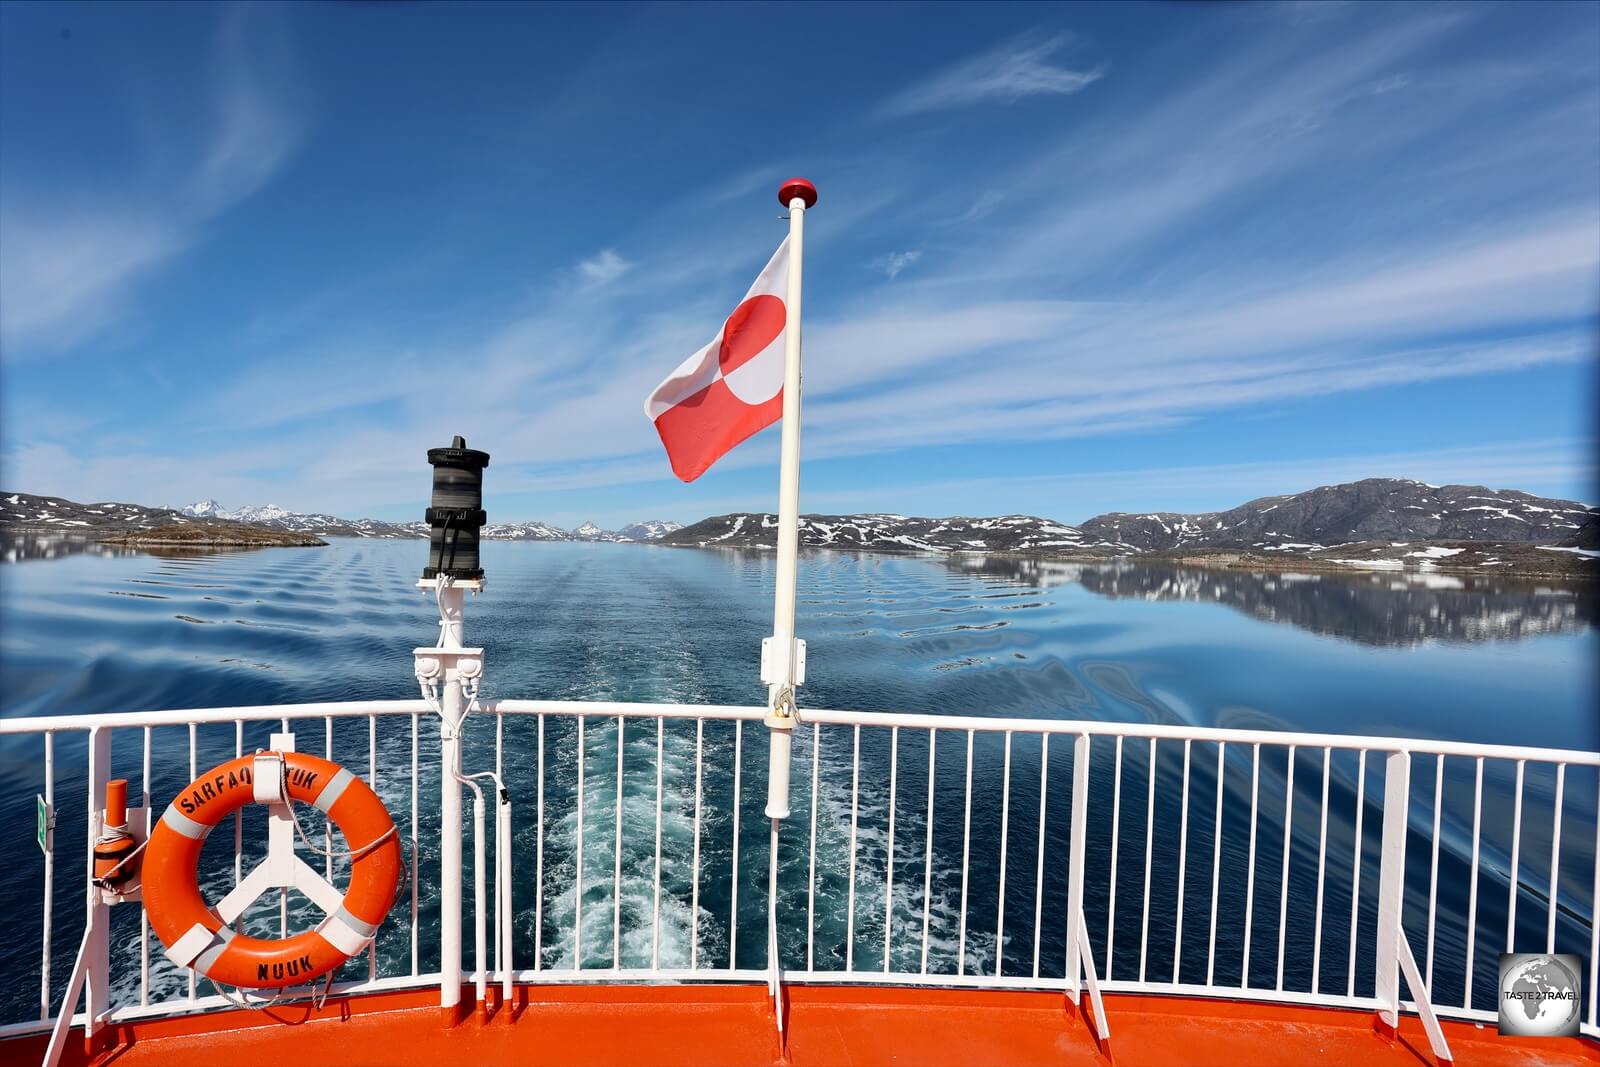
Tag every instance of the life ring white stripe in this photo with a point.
(333, 790)
(340, 931)
(203, 962)
(192, 944)
(180, 823)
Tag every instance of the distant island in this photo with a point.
(215, 535)
(1376, 524)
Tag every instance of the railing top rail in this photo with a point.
(1417, 745)
(182, 717)
(991, 724)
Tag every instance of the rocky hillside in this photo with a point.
(25, 511)
(893, 533)
(1374, 509)
(274, 517)
(206, 534)
(649, 530)
(1377, 510)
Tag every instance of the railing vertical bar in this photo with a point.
(1433, 867)
(733, 907)
(694, 876)
(538, 857)
(1038, 874)
(1116, 836)
(1216, 869)
(144, 916)
(616, 876)
(1005, 826)
(238, 816)
(1283, 888)
(927, 850)
(502, 866)
(1149, 849)
(1183, 854)
(577, 903)
(49, 891)
(372, 781)
(327, 821)
(700, 763)
(655, 907)
(1355, 874)
(888, 866)
(1555, 861)
(1472, 891)
(966, 851)
(1322, 864)
(1594, 924)
(850, 891)
(416, 948)
(811, 875)
(1516, 847)
(194, 772)
(1250, 864)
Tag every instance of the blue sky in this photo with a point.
(1067, 259)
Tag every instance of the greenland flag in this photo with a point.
(733, 387)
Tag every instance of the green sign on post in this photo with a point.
(47, 825)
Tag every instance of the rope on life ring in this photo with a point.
(199, 937)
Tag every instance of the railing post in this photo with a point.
(1080, 820)
(452, 709)
(97, 941)
(1391, 889)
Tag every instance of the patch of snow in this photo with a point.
(1435, 552)
(1591, 553)
(1372, 564)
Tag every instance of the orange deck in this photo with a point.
(704, 1026)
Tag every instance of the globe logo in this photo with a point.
(1539, 995)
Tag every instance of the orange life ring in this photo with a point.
(193, 933)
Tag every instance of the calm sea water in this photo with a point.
(1480, 659)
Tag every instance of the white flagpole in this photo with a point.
(780, 672)
(779, 668)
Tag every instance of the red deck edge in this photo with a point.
(734, 1024)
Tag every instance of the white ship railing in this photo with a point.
(1094, 848)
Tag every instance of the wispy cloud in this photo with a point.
(1017, 69)
(70, 260)
(983, 206)
(603, 268)
(892, 263)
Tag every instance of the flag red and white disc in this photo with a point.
(733, 387)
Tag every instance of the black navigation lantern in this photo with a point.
(457, 512)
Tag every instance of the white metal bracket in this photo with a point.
(772, 671)
(281, 869)
(437, 667)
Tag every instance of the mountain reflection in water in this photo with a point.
(1373, 608)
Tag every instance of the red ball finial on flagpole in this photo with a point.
(797, 187)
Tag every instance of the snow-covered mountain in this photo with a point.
(330, 525)
(27, 511)
(523, 531)
(893, 533)
(279, 518)
(206, 509)
(649, 530)
(265, 513)
(1374, 510)
(1385, 514)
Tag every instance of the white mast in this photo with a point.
(783, 657)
